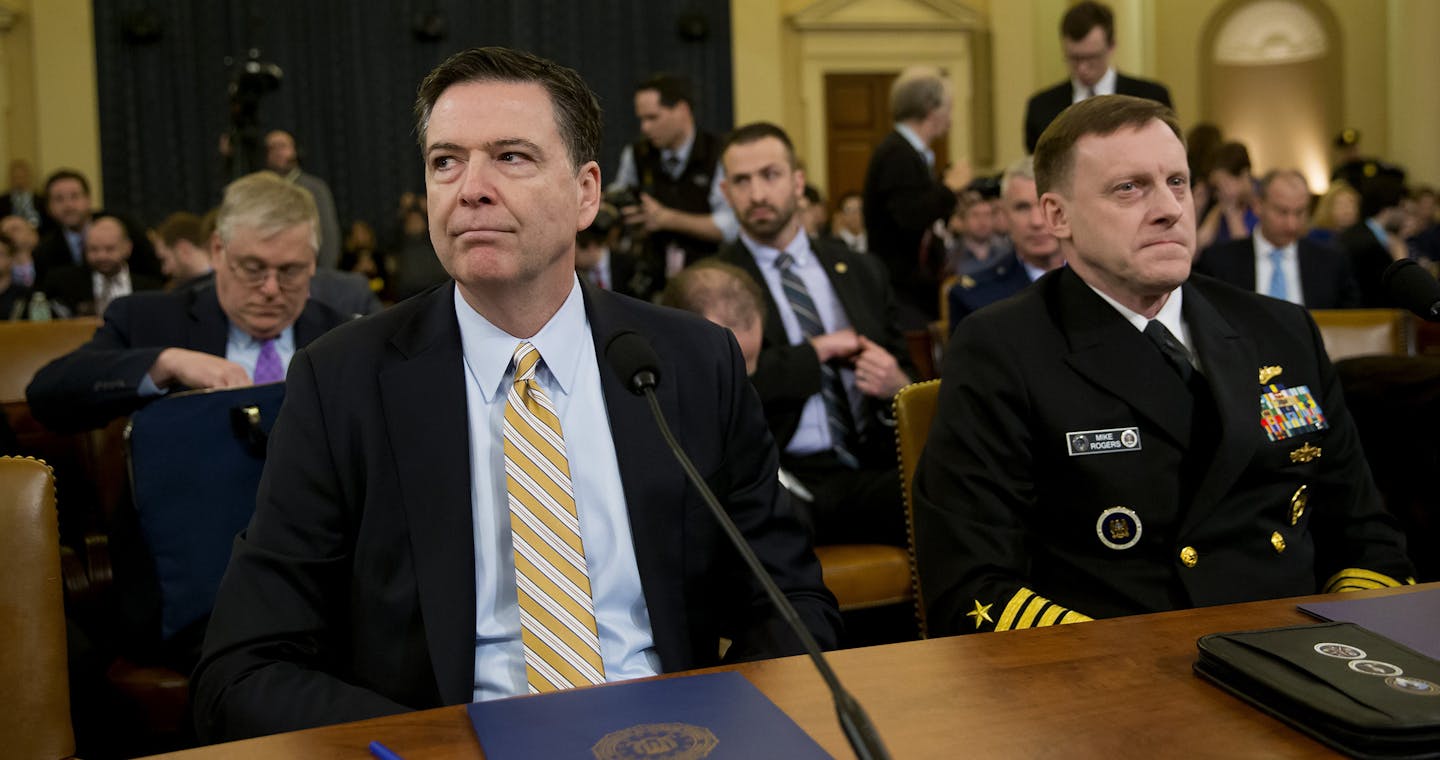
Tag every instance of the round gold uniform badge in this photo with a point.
(656, 741)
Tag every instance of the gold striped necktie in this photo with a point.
(557, 612)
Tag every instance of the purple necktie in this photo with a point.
(268, 368)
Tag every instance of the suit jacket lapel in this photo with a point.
(423, 394)
(651, 484)
(1230, 365)
(1310, 275)
(774, 328)
(310, 325)
(1118, 359)
(847, 291)
(209, 327)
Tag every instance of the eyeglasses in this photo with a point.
(254, 274)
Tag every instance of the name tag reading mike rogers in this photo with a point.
(1113, 441)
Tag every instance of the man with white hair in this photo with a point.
(243, 330)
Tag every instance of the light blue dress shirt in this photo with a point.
(570, 374)
(813, 434)
(244, 349)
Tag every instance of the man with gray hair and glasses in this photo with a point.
(243, 330)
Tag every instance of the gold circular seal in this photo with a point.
(656, 741)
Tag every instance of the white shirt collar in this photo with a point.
(916, 143)
(1263, 247)
(1106, 86)
(488, 349)
(765, 256)
(1170, 315)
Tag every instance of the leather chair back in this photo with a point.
(914, 410)
(34, 680)
(1365, 332)
(28, 346)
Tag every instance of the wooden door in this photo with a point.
(857, 118)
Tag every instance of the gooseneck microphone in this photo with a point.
(635, 361)
(1411, 287)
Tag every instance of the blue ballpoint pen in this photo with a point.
(382, 752)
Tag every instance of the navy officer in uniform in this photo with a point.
(1122, 438)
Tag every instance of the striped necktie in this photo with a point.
(832, 389)
(557, 613)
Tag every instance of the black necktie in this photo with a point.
(1172, 349)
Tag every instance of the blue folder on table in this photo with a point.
(714, 716)
(1411, 618)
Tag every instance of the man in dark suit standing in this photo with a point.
(245, 328)
(902, 195)
(1087, 37)
(1034, 250)
(828, 364)
(1118, 440)
(431, 459)
(1277, 260)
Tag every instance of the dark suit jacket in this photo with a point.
(352, 593)
(1369, 259)
(1005, 507)
(902, 198)
(1326, 279)
(1045, 105)
(786, 375)
(972, 293)
(100, 381)
(73, 288)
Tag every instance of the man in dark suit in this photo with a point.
(902, 195)
(214, 337)
(1034, 250)
(399, 528)
(1098, 449)
(87, 289)
(1278, 258)
(67, 201)
(828, 365)
(1087, 37)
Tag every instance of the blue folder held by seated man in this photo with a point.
(195, 464)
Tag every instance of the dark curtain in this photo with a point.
(350, 74)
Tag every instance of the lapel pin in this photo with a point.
(841, 267)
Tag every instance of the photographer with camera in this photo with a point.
(668, 184)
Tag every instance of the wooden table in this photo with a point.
(1115, 688)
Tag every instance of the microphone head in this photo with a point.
(1411, 287)
(634, 360)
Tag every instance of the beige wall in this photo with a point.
(51, 111)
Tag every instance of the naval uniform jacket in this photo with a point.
(1019, 526)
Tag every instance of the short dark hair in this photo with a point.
(577, 112)
(1231, 158)
(63, 174)
(756, 131)
(1100, 115)
(812, 194)
(1082, 17)
(672, 90)
(182, 225)
(1386, 189)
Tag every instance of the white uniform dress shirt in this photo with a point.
(570, 374)
(1170, 315)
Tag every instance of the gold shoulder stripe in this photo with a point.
(1354, 578)
(1013, 608)
(1028, 609)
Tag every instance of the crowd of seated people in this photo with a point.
(819, 297)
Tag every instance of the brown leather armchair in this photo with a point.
(34, 680)
(914, 410)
